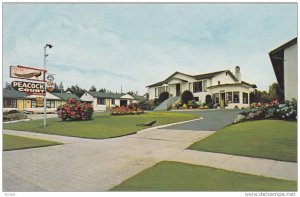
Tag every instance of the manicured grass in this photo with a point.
(11, 142)
(102, 125)
(174, 176)
(270, 139)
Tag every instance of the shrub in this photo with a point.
(187, 96)
(192, 104)
(75, 110)
(129, 110)
(287, 110)
(13, 115)
(163, 96)
(146, 105)
(156, 102)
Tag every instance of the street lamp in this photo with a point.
(45, 102)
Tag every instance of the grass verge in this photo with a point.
(11, 142)
(270, 139)
(102, 125)
(174, 176)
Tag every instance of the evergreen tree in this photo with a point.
(93, 89)
(61, 87)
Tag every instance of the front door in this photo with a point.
(20, 104)
(178, 89)
(123, 103)
(222, 100)
(107, 102)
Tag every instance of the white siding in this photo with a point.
(291, 72)
(152, 93)
(223, 78)
(235, 88)
(86, 97)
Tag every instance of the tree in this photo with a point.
(61, 87)
(275, 92)
(255, 96)
(56, 89)
(163, 96)
(8, 86)
(187, 96)
(76, 90)
(93, 89)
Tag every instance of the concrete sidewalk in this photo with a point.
(98, 165)
(89, 164)
(249, 165)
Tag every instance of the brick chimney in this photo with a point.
(238, 74)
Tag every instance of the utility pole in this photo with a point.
(45, 100)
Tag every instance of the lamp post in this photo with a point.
(45, 101)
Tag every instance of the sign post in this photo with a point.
(45, 100)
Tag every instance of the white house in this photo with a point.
(102, 100)
(226, 89)
(285, 64)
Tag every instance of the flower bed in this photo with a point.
(287, 111)
(74, 110)
(131, 109)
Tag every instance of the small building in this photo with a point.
(285, 64)
(103, 100)
(64, 97)
(13, 100)
(226, 89)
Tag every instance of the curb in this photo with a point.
(171, 124)
(14, 121)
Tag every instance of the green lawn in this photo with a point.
(173, 176)
(270, 139)
(11, 142)
(102, 125)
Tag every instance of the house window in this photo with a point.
(228, 97)
(216, 98)
(112, 101)
(155, 90)
(161, 89)
(204, 86)
(50, 104)
(199, 86)
(100, 101)
(245, 98)
(219, 82)
(33, 104)
(10, 103)
(196, 98)
(236, 97)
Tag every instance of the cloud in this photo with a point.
(134, 45)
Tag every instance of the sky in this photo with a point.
(135, 45)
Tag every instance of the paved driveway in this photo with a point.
(89, 164)
(212, 120)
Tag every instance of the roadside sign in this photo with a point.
(50, 83)
(29, 87)
(39, 101)
(28, 73)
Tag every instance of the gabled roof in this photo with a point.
(277, 59)
(234, 84)
(138, 98)
(197, 77)
(13, 94)
(105, 95)
(66, 96)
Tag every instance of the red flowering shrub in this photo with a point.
(131, 109)
(74, 110)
